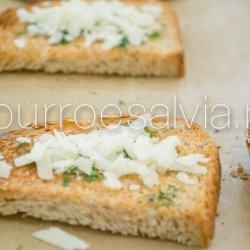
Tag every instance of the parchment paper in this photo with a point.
(216, 39)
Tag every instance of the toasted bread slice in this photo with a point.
(189, 220)
(159, 57)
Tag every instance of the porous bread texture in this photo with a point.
(190, 220)
(163, 56)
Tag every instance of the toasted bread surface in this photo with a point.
(161, 56)
(190, 220)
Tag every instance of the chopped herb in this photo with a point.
(151, 132)
(20, 145)
(64, 41)
(121, 103)
(26, 151)
(154, 35)
(68, 173)
(93, 92)
(23, 32)
(66, 180)
(73, 170)
(125, 154)
(95, 175)
(124, 42)
(126, 124)
(20, 247)
(167, 197)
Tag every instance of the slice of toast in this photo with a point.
(188, 219)
(157, 57)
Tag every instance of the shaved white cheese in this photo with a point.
(23, 139)
(1, 157)
(45, 137)
(20, 42)
(59, 238)
(114, 23)
(44, 169)
(5, 169)
(183, 177)
(142, 122)
(134, 187)
(115, 151)
(190, 164)
(84, 164)
(112, 181)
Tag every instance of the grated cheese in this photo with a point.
(5, 169)
(20, 42)
(59, 238)
(23, 139)
(115, 151)
(183, 177)
(113, 23)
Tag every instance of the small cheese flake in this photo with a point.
(112, 181)
(1, 157)
(20, 42)
(61, 239)
(134, 187)
(5, 169)
(23, 139)
(183, 177)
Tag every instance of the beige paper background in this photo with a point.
(216, 38)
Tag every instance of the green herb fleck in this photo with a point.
(68, 173)
(151, 132)
(64, 41)
(121, 103)
(124, 42)
(125, 124)
(125, 154)
(20, 145)
(166, 198)
(73, 170)
(95, 175)
(66, 180)
(153, 35)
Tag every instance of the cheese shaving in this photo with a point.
(23, 139)
(59, 238)
(183, 177)
(5, 169)
(113, 23)
(20, 42)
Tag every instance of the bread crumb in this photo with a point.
(240, 173)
